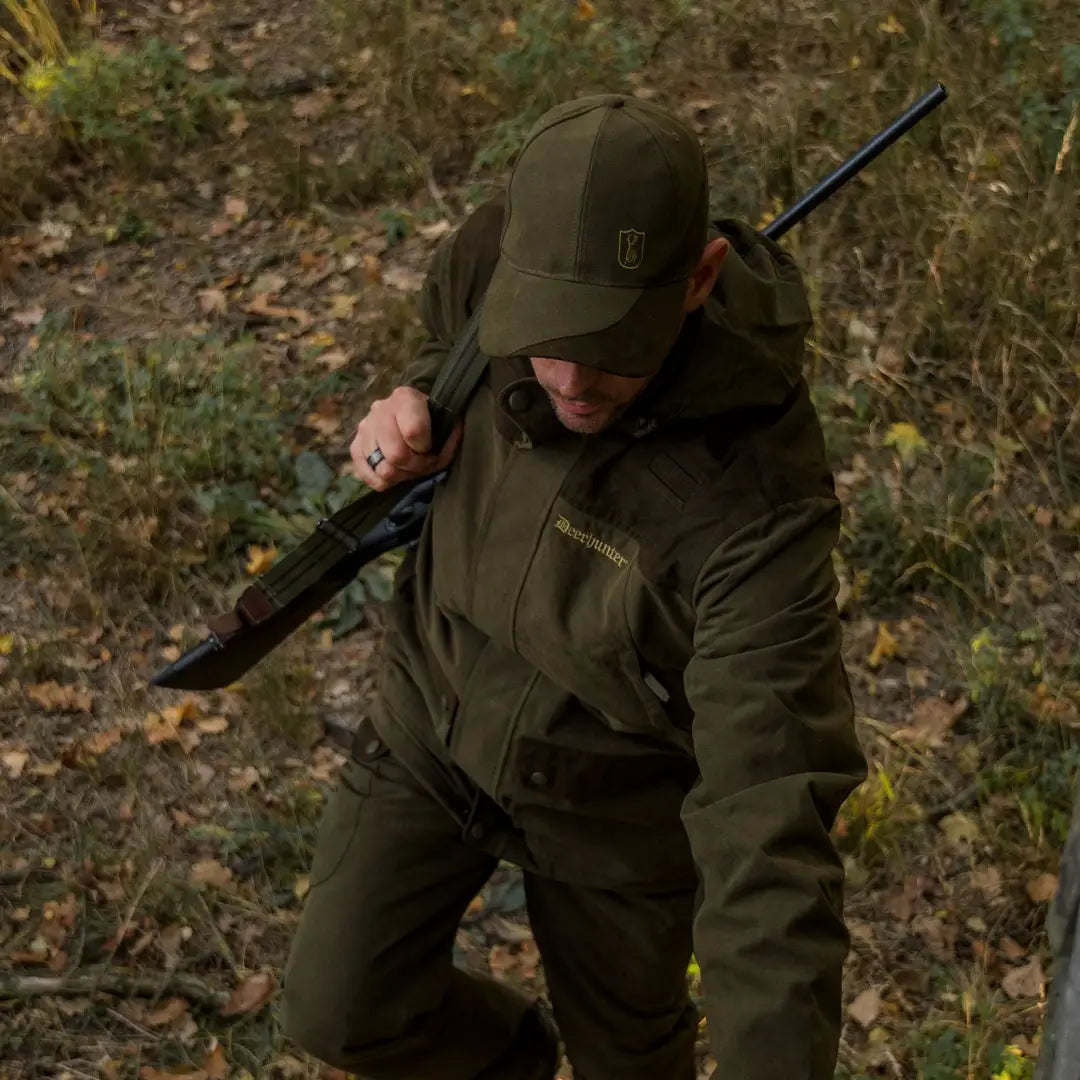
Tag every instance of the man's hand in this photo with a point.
(400, 426)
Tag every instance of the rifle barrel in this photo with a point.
(859, 160)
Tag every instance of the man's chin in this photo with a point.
(591, 423)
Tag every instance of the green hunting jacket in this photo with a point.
(630, 640)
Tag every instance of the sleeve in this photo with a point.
(456, 280)
(776, 747)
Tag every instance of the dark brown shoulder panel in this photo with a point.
(682, 494)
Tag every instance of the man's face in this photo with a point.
(584, 399)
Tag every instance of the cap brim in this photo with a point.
(619, 330)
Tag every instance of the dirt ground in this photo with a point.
(196, 306)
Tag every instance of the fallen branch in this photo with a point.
(113, 981)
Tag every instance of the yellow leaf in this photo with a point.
(960, 829)
(585, 10)
(260, 559)
(891, 25)
(341, 306)
(884, 648)
(322, 339)
(302, 886)
(907, 439)
(7, 644)
(212, 725)
(508, 27)
(177, 714)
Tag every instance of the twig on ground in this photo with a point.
(155, 868)
(113, 981)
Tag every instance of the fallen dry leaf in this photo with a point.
(96, 745)
(158, 730)
(333, 359)
(171, 941)
(270, 283)
(212, 725)
(166, 1013)
(213, 302)
(1026, 981)
(14, 761)
(111, 890)
(238, 124)
(214, 1064)
(54, 697)
(884, 647)
(252, 994)
(30, 317)
(501, 959)
(959, 829)
(260, 305)
(866, 1008)
(148, 1072)
(404, 279)
(436, 231)
(341, 305)
(260, 559)
(200, 60)
(938, 937)
(987, 881)
(210, 872)
(932, 720)
(528, 958)
(310, 107)
(1041, 889)
(188, 709)
(236, 208)
(243, 779)
(1011, 949)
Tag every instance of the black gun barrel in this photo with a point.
(859, 160)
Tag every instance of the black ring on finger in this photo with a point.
(375, 457)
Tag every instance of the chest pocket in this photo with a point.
(571, 620)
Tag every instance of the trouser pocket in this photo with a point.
(342, 816)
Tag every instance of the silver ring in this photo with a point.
(375, 457)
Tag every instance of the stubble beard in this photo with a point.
(593, 424)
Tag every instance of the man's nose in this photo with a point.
(572, 380)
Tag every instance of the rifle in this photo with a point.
(312, 574)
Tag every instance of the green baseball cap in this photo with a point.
(606, 217)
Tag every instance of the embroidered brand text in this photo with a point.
(590, 541)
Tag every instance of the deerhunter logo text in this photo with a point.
(590, 541)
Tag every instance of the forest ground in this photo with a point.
(213, 224)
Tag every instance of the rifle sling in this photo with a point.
(336, 538)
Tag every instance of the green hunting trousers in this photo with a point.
(370, 986)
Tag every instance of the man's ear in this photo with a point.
(705, 273)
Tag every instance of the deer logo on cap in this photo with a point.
(631, 248)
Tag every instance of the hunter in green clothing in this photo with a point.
(614, 658)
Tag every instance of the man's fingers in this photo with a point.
(400, 426)
(414, 423)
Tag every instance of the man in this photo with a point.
(614, 658)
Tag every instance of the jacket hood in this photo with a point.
(744, 347)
